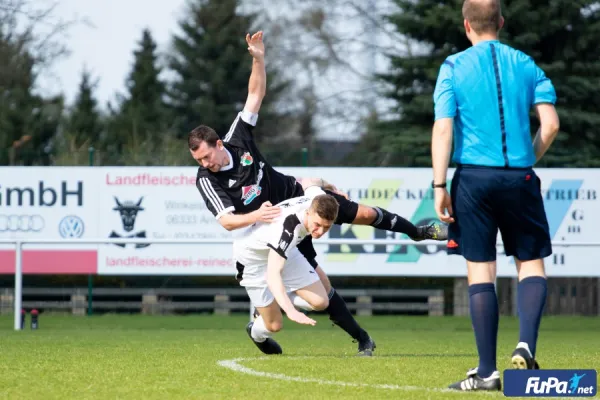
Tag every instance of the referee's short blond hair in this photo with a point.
(484, 16)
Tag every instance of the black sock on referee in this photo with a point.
(388, 221)
(342, 317)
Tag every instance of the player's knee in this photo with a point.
(274, 326)
(365, 215)
(320, 304)
(526, 269)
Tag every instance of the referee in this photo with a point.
(482, 98)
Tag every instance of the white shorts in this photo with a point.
(297, 274)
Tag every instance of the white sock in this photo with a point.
(259, 332)
(299, 302)
(523, 345)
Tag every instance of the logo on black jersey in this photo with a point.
(246, 159)
(128, 211)
(249, 193)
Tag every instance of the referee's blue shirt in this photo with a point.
(489, 90)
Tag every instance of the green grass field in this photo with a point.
(143, 357)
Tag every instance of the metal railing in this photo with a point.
(19, 243)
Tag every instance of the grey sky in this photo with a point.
(105, 45)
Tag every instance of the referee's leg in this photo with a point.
(531, 298)
(473, 235)
(526, 236)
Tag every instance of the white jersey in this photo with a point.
(282, 235)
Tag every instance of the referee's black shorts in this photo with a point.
(487, 199)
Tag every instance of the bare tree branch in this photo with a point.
(333, 47)
(36, 27)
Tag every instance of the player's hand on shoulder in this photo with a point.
(256, 47)
(341, 193)
(300, 318)
(332, 188)
(268, 212)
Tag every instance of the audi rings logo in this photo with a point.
(21, 223)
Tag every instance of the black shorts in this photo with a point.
(347, 211)
(487, 199)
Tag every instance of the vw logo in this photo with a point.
(21, 223)
(71, 226)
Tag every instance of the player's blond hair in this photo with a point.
(325, 206)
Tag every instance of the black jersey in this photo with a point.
(250, 181)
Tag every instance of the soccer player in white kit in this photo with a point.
(274, 272)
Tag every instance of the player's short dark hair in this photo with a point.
(201, 134)
(326, 206)
(483, 15)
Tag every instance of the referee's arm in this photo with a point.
(441, 138)
(445, 111)
(544, 99)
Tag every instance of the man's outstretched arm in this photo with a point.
(257, 86)
(266, 213)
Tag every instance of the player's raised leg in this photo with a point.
(379, 218)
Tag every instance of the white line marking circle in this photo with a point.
(234, 365)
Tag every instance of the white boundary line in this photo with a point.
(234, 365)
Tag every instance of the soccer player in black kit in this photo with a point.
(240, 188)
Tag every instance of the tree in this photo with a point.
(212, 67)
(28, 120)
(144, 107)
(81, 127)
(330, 49)
(140, 123)
(84, 120)
(560, 36)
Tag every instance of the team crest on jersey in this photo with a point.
(246, 159)
(249, 193)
